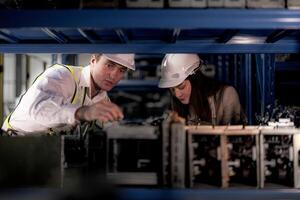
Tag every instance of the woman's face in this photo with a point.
(183, 91)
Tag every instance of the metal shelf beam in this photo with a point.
(187, 47)
(8, 38)
(59, 37)
(277, 35)
(153, 18)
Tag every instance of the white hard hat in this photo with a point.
(126, 60)
(175, 68)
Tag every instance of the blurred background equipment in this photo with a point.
(33, 161)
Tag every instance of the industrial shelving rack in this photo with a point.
(152, 31)
(259, 32)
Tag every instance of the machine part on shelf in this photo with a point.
(243, 151)
(132, 132)
(138, 105)
(204, 156)
(133, 154)
(280, 116)
(137, 153)
(166, 152)
(178, 145)
(279, 157)
(173, 150)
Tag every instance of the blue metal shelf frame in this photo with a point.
(265, 70)
(208, 194)
(232, 21)
(188, 47)
(153, 18)
(248, 87)
(280, 22)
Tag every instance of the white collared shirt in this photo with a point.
(47, 103)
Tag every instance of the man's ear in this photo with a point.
(93, 59)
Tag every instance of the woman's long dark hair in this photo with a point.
(202, 88)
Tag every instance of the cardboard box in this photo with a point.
(136, 3)
(274, 4)
(179, 3)
(215, 3)
(145, 3)
(235, 3)
(99, 4)
(198, 3)
(155, 3)
(255, 3)
(293, 4)
(265, 3)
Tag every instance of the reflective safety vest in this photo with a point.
(74, 98)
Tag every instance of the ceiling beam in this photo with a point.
(59, 37)
(122, 36)
(89, 35)
(227, 35)
(8, 38)
(175, 35)
(277, 35)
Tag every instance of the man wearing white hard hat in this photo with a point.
(63, 96)
(196, 97)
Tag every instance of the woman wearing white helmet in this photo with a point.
(196, 97)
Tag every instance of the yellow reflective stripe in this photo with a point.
(75, 96)
(73, 100)
(71, 70)
(84, 94)
(6, 122)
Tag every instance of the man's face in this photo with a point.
(105, 73)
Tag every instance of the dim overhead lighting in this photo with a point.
(246, 40)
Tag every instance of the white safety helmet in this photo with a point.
(126, 60)
(175, 68)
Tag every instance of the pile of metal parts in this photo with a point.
(163, 153)
(274, 113)
(180, 156)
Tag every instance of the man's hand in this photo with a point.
(103, 111)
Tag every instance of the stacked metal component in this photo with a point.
(225, 156)
(280, 150)
(235, 156)
(133, 154)
(162, 154)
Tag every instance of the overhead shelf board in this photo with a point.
(150, 31)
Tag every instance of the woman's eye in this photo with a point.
(181, 87)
